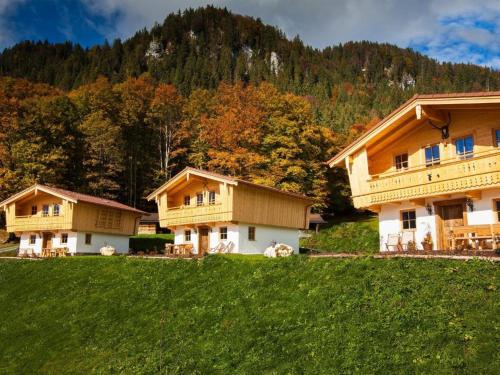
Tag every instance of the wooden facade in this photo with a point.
(435, 159)
(67, 211)
(195, 197)
(370, 161)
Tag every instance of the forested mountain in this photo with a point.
(206, 88)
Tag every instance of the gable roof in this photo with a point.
(222, 178)
(411, 104)
(70, 196)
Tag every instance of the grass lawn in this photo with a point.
(355, 234)
(239, 315)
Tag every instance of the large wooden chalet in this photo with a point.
(209, 211)
(431, 170)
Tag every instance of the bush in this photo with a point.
(150, 242)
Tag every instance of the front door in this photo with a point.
(203, 243)
(451, 216)
(47, 241)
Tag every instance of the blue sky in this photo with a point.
(448, 30)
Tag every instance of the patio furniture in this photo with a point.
(408, 241)
(217, 249)
(46, 253)
(30, 253)
(62, 251)
(22, 253)
(179, 250)
(393, 243)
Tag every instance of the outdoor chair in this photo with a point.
(393, 242)
(22, 253)
(217, 249)
(408, 241)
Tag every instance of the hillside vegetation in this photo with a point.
(248, 315)
(354, 234)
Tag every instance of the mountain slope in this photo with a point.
(200, 48)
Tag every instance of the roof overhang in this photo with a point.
(186, 175)
(419, 107)
(34, 190)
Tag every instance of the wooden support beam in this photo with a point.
(435, 114)
(418, 202)
(375, 208)
(474, 194)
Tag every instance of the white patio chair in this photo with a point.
(217, 249)
(22, 253)
(393, 242)
(228, 247)
(408, 240)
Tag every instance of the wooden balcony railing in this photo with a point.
(197, 214)
(448, 177)
(37, 222)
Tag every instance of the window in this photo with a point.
(497, 209)
(56, 210)
(409, 219)
(187, 200)
(251, 233)
(88, 239)
(187, 235)
(64, 238)
(432, 156)
(45, 210)
(34, 210)
(32, 239)
(465, 147)
(401, 161)
(211, 197)
(223, 233)
(109, 219)
(497, 138)
(199, 199)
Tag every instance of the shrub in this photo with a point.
(150, 242)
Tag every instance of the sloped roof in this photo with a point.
(316, 219)
(228, 179)
(150, 217)
(423, 99)
(71, 196)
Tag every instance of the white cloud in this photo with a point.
(446, 29)
(7, 36)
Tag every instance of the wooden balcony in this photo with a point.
(450, 176)
(39, 223)
(185, 215)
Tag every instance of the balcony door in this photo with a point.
(203, 243)
(449, 214)
(47, 241)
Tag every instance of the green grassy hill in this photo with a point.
(354, 234)
(248, 315)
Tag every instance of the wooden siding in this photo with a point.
(85, 219)
(19, 218)
(379, 182)
(479, 124)
(241, 203)
(172, 212)
(76, 217)
(259, 206)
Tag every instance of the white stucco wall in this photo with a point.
(24, 242)
(389, 217)
(56, 241)
(264, 236)
(238, 235)
(120, 243)
(76, 242)
(390, 223)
